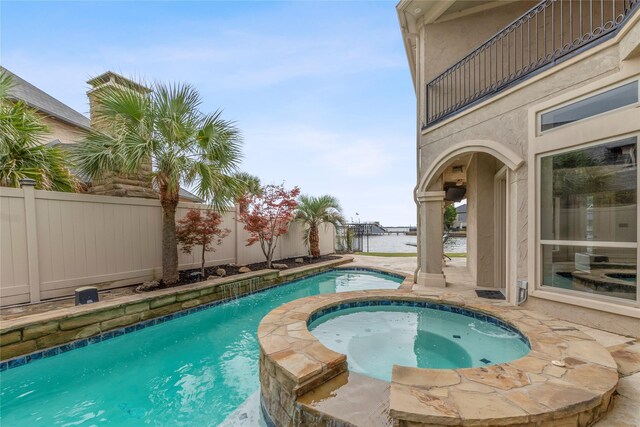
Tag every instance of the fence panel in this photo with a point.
(82, 239)
(224, 253)
(327, 239)
(85, 239)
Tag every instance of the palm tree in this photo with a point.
(23, 152)
(250, 183)
(313, 211)
(186, 147)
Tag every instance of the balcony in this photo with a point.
(545, 35)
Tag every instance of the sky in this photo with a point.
(321, 91)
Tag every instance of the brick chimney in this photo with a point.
(123, 185)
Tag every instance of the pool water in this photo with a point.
(191, 371)
(376, 338)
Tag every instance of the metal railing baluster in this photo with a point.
(487, 69)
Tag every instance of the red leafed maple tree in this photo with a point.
(197, 229)
(266, 216)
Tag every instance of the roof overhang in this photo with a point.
(410, 12)
(413, 14)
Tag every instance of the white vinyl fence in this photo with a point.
(52, 243)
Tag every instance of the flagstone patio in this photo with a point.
(566, 378)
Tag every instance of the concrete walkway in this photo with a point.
(406, 265)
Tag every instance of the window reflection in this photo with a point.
(596, 270)
(591, 194)
(589, 216)
(610, 100)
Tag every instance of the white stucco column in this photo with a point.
(430, 239)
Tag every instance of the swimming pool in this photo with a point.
(191, 371)
(423, 337)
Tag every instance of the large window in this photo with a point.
(597, 104)
(589, 219)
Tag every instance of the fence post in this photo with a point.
(28, 188)
(238, 229)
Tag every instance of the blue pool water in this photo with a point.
(190, 371)
(414, 336)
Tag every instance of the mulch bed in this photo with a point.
(187, 276)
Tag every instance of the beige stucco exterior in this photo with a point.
(502, 131)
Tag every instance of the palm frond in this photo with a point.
(318, 210)
(176, 111)
(22, 150)
(251, 184)
(6, 84)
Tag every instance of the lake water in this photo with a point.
(402, 243)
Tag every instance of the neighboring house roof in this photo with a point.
(186, 195)
(26, 92)
(462, 209)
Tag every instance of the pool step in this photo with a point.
(347, 400)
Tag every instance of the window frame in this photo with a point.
(539, 268)
(539, 114)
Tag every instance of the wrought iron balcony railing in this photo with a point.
(544, 35)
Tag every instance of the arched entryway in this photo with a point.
(482, 172)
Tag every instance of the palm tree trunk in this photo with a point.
(314, 241)
(169, 242)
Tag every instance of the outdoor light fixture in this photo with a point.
(454, 194)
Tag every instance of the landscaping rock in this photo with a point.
(299, 260)
(280, 266)
(221, 272)
(244, 270)
(148, 286)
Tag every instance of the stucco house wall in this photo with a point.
(508, 121)
(447, 42)
(505, 120)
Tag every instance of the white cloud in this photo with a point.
(303, 93)
(361, 158)
(345, 155)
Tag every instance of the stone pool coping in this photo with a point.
(34, 336)
(533, 389)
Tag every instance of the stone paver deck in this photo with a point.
(625, 350)
(567, 377)
(350, 399)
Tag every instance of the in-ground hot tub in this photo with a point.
(566, 378)
(375, 337)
